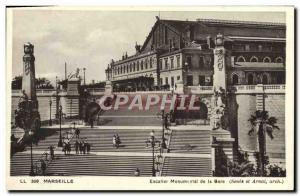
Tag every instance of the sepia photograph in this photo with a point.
(171, 98)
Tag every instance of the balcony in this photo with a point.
(200, 89)
(260, 88)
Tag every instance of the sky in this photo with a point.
(90, 39)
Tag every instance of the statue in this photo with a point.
(74, 75)
(218, 113)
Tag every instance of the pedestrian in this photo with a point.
(43, 167)
(136, 172)
(76, 146)
(88, 148)
(118, 141)
(80, 147)
(77, 132)
(51, 152)
(84, 147)
(92, 122)
(69, 148)
(64, 148)
(114, 139)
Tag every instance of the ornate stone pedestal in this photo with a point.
(108, 88)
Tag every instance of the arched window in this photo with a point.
(241, 59)
(142, 65)
(250, 80)
(253, 59)
(133, 66)
(130, 67)
(265, 79)
(118, 70)
(279, 59)
(267, 59)
(235, 79)
(137, 66)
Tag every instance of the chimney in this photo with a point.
(126, 56)
(137, 48)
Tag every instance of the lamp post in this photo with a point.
(50, 104)
(60, 139)
(84, 75)
(31, 159)
(153, 142)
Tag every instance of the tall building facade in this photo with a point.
(182, 52)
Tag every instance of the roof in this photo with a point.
(238, 22)
(242, 38)
(259, 65)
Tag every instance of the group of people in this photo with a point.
(82, 147)
(67, 148)
(116, 141)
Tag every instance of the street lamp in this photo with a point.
(60, 139)
(31, 159)
(154, 144)
(50, 104)
(84, 75)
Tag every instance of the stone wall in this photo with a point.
(246, 106)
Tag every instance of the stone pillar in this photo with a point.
(219, 64)
(108, 88)
(222, 138)
(179, 88)
(28, 79)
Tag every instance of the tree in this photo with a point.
(43, 83)
(40, 83)
(16, 83)
(262, 124)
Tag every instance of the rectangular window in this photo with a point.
(160, 64)
(142, 65)
(161, 81)
(189, 80)
(172, 81)
(137, 66)
(178, 77)
(247, 47)
(146, 63)
(166, 81)
(189, 61)
(172, 62)
(166, 63)
(202, 80)
(150, 62)
(178, 61)
(201, 62)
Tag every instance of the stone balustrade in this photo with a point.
(259, 88)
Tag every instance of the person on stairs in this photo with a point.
(76, 147)
(77, 132)
(118, 141)
(88, 147)
(51, 148)
(114, 141)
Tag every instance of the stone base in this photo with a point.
(179, 88)
(108, 88)
(222, 138)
